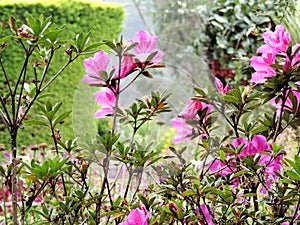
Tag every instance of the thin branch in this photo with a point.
(137, 5)
(58, 73)
(6, 77)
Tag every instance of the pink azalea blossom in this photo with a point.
(288, 102)
(106, 98)
(277, 41)
(217, 166)
(258, 145)
(289, 64)
(127, 66)
(261, 65)
(94, 65)
(146, 46)
(220, 86)
(207, 213)
(184, 130)
(190, 110)
(137, 217)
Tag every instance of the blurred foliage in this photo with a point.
(227, 32)
(80, 16)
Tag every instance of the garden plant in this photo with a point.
(244, 170)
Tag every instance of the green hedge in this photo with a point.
(79, 16)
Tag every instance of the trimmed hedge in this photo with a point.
(79, 16)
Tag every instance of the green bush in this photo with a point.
(80, 16)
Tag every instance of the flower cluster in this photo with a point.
(269, 161)
(137, 56)
(275, 49)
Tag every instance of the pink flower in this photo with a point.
(207, 213)
(261, 65)
(146, 46)
(137, 217)
(288, 102)
(185, 130)
(257, 145)
(127, 66)
(106, 98)
(277, 41)
(220, 86)
(190, 110)
(217, 166)
(94, 65)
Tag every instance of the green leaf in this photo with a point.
(4, 39)
(36, 122)
(237, 174)
(293, 174)
(259, 129)
(222, 155)
(52, 36)
(188, 193)
(150, 57)
(109, 44)
(13, 24)
(220, 19)
(61, 117)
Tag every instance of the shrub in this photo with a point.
(80, 16)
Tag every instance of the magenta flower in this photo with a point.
(128, 65)
(288, 102)
(184, 130)
(190, 110)
(277, 41)
(217, 166)
(258, 145)
(261, 65)
(107, 99)
(220, 86)
(137, 217)
(94, 65)
(146, 46)
(207, 213)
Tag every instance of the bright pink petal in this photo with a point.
(106, 98)
(184, 130)
(137, 217)
(94, 65)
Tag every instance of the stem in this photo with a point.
(23, 72)
(139, 182)
(6, 77)
(296, 210)
(222, 113)
(14, 176)
(129, 181)
(4, 200)
(236, 123)
(131, 82)
(57, 153)
(57, 74)
(47, 67)
(283, 99)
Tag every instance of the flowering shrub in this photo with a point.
(239, 175)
